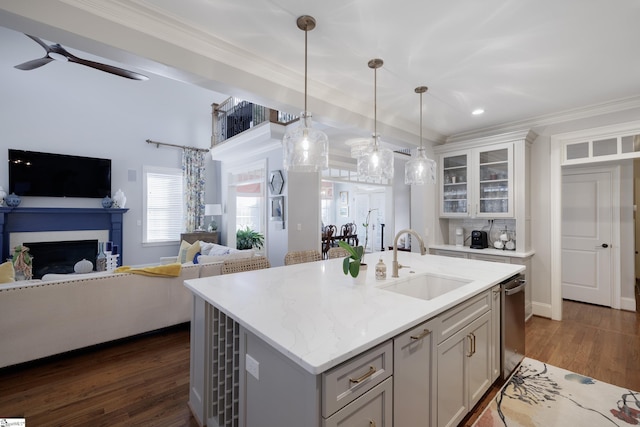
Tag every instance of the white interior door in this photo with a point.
(587, 215)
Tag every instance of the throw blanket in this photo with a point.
(167, 270)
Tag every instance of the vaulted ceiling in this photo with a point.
(524, 62)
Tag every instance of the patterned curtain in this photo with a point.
(193, 173)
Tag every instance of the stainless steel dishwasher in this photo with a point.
(512, 323)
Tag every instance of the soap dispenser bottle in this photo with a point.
(381, 270)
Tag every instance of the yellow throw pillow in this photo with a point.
(188, 251)
(7, 274)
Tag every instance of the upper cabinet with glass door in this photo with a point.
(495, 181)
(455, 191)
(477, 182)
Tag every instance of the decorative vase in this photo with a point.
(101, 259)
(119, 199)
(107, 202)
(13, 200)
(361, 278)
(83, 266)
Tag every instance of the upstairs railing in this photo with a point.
(234, 116)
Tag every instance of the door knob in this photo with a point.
(604, 245)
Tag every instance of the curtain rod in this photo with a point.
(158, 144)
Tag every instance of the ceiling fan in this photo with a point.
(57, 52)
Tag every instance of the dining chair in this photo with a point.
(299, 257)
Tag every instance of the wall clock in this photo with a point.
(276, 182)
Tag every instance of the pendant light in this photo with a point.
(305, 149)
(376, 163)
(420, 169)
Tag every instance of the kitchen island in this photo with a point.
(305, 345)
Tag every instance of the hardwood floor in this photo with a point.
(144, 381)
(591, 340)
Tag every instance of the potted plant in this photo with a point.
(353, 262)
(248, 239)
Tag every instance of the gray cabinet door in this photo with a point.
(413, 354)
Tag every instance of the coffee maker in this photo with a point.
(479, 239)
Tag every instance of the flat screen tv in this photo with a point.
(58, 175)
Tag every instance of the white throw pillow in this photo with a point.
(218, 250)
(205, 247)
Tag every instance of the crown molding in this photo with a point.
(594, 110)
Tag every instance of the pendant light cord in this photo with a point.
(420, 120)
(305, 70)
(375, 106)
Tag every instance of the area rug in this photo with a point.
(538, 394)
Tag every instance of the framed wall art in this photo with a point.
(277, 208)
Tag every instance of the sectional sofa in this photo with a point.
(40, 318)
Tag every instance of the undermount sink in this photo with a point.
(426, 286)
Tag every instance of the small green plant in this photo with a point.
(248, 239)
(351, 263)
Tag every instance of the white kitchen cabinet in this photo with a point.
(413, 359)
(486, 178)
(477, 182)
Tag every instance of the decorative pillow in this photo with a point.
(7, 273)
(205, 247)
(196, 258)
(218, 250)
(204, 259)
(187, 251)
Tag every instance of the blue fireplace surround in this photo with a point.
(16, 220)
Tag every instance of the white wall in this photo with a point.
(70, 109)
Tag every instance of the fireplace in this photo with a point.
(60, 257)
(18, 220)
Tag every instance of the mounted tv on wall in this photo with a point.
(58, 175)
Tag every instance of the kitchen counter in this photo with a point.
(485, 251)
(318, 317)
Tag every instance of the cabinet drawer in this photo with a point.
(374, 408)
(345, 383)
(452, 254)
(459, 316)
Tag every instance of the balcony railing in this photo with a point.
(234, 116)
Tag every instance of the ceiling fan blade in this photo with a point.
(40, 42)
(107, 68)
(30, 65)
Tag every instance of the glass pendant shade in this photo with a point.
(420, 169)
(305, 149)
(376, 163)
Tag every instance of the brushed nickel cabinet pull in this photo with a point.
(371, 371)
(473, 341)
(470, 346)
(421, 335)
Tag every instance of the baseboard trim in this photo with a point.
(628, 304)
(542, 310)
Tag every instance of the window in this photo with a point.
(163, 205)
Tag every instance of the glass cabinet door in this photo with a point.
(495, 181)
(455, 169)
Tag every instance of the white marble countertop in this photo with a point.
(319, 318)
(485, 251)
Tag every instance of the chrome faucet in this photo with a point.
(395, 266)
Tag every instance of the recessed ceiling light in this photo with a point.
(477, 111)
